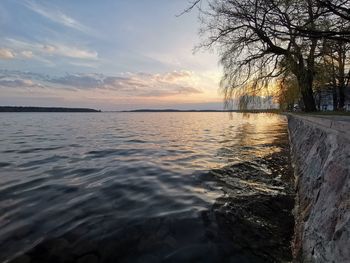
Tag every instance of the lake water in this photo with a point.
(144, 187)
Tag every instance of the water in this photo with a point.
(144, 187)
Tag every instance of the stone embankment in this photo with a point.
(321, 159)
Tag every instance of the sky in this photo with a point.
(106, 54)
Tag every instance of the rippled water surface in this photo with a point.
(125, 187)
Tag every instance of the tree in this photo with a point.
(340, 8)
(332, 15)
(335, 57)
(288, 93)
(258, 40)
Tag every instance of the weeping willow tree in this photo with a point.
(288, 93)
(259, 40)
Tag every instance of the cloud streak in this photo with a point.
(28, 49)
(20, 83)
(27, 53)
(134, 84)
(56, 16)
(69, 51)
(176, 83)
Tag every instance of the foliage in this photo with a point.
(260, 41)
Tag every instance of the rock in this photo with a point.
(322, 168)
(149, 258)
(90, 258)
(23, 231)
(84, 247)
(170, 241)
(58, 245)
(22, 259)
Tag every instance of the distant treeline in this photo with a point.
(172, 110)
(44, 109)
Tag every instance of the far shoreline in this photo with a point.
(174, 110)
(33, 109)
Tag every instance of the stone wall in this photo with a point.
(321, 159)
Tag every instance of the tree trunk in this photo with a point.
(307, 73)
(305, 82)
(341, 74)
(334, 85)
(335, 98)
(341, 96)
(309, 101)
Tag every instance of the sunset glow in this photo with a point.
(65, 53)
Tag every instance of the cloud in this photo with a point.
(75, 52)
(127, 85)
(22, 79)
(80, 81)
(56, 16)
(84, 64)
(48, 48)
(69, 51)
(6, 53)
(52, 49)
(134, 84)
(27, 53)
(19, 83)
(175, 75)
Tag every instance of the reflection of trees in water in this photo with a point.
(254, 136)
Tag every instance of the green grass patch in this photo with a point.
(326, 113)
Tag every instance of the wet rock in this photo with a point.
(147, 243)
(23, 231)
(22, 259)
(56, 246)
(90, 258)
(84, 246)
(170, 241)
(149, 258)
(193, 253)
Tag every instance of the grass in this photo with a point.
(326, 113)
